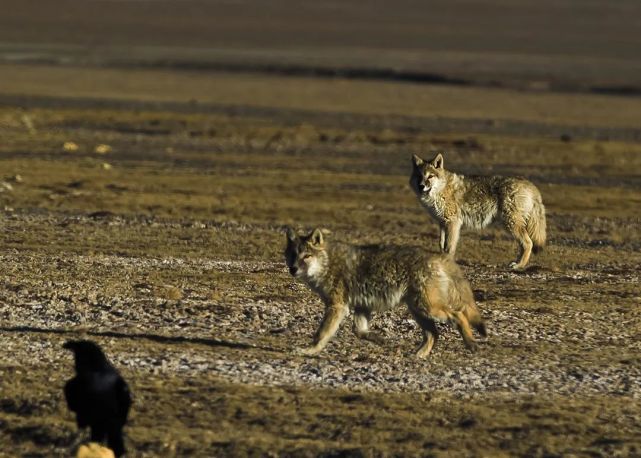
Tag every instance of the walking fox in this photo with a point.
(476, 201)
(374, 278)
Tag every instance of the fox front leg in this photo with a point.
(452, 232)
(334, 315)
(442, 232)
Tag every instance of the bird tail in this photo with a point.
(116, 442)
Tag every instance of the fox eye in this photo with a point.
(306, 257)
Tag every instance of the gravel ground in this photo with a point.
(167, 250)
(566, 347)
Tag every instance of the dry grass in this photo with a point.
(139, 256)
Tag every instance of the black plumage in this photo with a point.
(98, 395)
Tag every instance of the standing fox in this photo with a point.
(455, 200)
(374, 278)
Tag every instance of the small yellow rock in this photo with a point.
(70, 147)
(102, 149)
(93, 450)
(106, 166)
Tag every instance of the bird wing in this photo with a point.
(77, 400)
(123, 397)
(72, 394)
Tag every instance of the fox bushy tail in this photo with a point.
(537, 226)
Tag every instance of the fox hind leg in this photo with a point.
(519, 230)
(526, 248)
(430, 336)
(466, 332)
(362, 317)
(419, 308)
(474, 318)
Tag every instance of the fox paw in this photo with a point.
(375, 338)
(472, 347)
(516, 266)
(422, 354)
(308, 351)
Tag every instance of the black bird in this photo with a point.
(98, 395)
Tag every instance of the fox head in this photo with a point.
(306, 256)
(427, 176)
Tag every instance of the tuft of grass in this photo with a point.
(168, 292)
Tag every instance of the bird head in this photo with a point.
(88, 355)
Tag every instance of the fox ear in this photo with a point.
(291, 235)
(316, 238)
(437, 162)
(417, 161)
